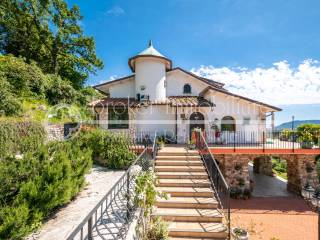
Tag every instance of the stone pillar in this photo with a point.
(301, 169)
(236, 171)
(263, 165)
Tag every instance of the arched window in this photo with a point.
(228, 123)
(187, 88)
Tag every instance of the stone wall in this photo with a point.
(263, 165)
(55, 132)
(236, 171)
(301, 169)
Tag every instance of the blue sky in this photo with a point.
(242, 36)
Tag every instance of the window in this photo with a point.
(246, 121)
(187, 88)
(118, 118)
(228, 124)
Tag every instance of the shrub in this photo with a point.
(108, 149)
(60, 91)
(286, 135)
(25, 79)
(34, 186)
(309, 132)
(21, 136)
(9, 105)
(157, 230)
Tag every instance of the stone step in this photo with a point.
(179, 163)
(188, 202)
(177, 158)
(194, 238)
(197, 230)
(184, 183)
(178, 153)
(188, 215)
(187, 191)
(182, 175)
(179, 169)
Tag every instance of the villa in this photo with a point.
(171, 101)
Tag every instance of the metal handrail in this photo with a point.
(121, 192)
(219, 184)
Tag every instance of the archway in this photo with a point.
(228, 123)
(196, 121)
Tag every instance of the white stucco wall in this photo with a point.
(151, 74)
(177, 79)
(157, 118)
(123, 89)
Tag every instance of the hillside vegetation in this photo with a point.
(46, 58)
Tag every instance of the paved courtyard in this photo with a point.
(273, 213)
(281, 218)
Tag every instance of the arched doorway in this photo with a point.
(196, 121)
(228, 123)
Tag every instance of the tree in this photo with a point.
(48, 32)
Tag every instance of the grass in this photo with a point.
(41, 111)
(279, 167)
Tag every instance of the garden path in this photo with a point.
(61, 225)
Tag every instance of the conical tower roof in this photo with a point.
(150, 51)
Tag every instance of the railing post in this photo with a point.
(128, 195)
(293, 141)
(263, 141)
(90, 228)
(234, 141)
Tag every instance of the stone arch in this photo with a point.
(228, 123)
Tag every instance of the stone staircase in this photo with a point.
(191, 210)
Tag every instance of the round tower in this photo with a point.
(150, 68)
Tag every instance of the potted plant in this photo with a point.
(239, 233)
(306, 140)
(191, 145)
(161, 143)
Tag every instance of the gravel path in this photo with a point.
(68, 218)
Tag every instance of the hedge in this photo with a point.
(20, 137)
(109, 149)
(34, 186)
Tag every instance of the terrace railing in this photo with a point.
(260, 140)
(112, 216)
(218, 182)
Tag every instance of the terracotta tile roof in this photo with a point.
(175, 101)
(114, 102)
(190, 101)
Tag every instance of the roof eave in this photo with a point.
(132, 59)
(241, 97)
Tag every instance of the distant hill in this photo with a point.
(288, 125)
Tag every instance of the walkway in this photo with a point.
(283, 218)
(266, 186)
(68, 218)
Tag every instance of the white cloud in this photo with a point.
(277, 85)
(116, 11)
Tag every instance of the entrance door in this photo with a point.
(196, 121)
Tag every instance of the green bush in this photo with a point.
(309, 132)
(108, 149)
(60, 91)
(20, 136)
(25, 79)
(286, 134)
(34, 186)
